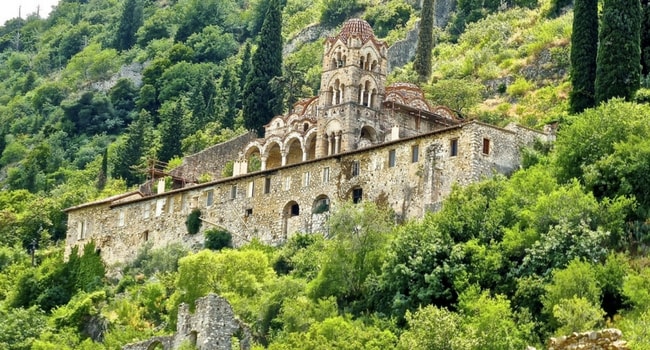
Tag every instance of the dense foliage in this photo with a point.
(91, 94)
(584, 45)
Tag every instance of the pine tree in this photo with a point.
(171, 130)
(130, 153)
(645, 38)
(260, 103)
(422, 63)
(584, 45)
(130, 21)
(618, 70)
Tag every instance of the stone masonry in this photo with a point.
(211, 327)
(359, 140)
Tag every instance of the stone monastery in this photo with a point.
(358, 140)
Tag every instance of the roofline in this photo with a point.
(103, 201)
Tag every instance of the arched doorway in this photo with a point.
(290, 218)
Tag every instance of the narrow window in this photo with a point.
(145, 235)
(357, 195)
(121, 218)
(391, 158)
(415, 153)
(486, 146)
(306, 177)
(453, 147)
(267, 185)
(233, 192)
(171, 205)
(209, 198)
(147, 211)
(80, 230)
(326, 174)
(287, 183)
(355, 168)
(249, 212)
(251, 189)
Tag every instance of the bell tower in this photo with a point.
(352, 88)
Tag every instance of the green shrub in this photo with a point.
(217, 239)
(193, 222)
(520, 87)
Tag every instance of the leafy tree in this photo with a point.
(457, 94)
(20, 327)
(618, 71)
(360, 236)
(154, 27)
(260, 103)
(584, 45)
(422, 62)
(432, 328)
(577, 314)
(130, 21)
(123, 96)
(216, 239)
(386, 17)
(212, 44)
(335, 12)
(198, 14)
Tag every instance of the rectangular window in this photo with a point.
(209, 200)
(391, 158)
(251, 189)
(160, 205)
(306, 177)
(415, 153)
(355, 168)
(233, 192)
(248, 212)
(453, 147)
(171, 205)
(147, 211)
(267, 185)
(121, 218)
(357, 195)
(326, 175)
(287, 183)
(486, 146)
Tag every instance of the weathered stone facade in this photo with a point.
(607, 339)
(211, 327)
(358, 140)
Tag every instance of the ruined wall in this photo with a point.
(273, 204)
(211, 327)
(607, 339)
(213, 159)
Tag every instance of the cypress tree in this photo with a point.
(645, 38)
(229, 89)
(618, 70)
(130, 21)
(260, 103)
(102, 177)
(584, 46)
(171, 130)
(422, 63)
(130, 153)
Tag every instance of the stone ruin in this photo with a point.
(211, 327)
(607, 339)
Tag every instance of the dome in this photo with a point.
(356, 27)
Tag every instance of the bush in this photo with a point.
(193, 222)
(217, 239)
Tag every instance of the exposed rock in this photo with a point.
(310, 34)
(442, 10)
(404, 50)
(131, 72)
(607, 339)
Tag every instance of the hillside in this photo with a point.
(92, 93)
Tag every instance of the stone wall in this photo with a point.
(212, 160)
(273, 204)
(607, 339)
(211, 327)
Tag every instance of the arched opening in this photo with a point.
(367, 66)
(305, 127)
(290, 218)
(362, 60)
(294, 151)
(321, 204)
(156, 345)
(373, 97)
(253, 158)
(273, 156)
(373, 66)
(310, 146)
(367, 137)
(337, 90)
